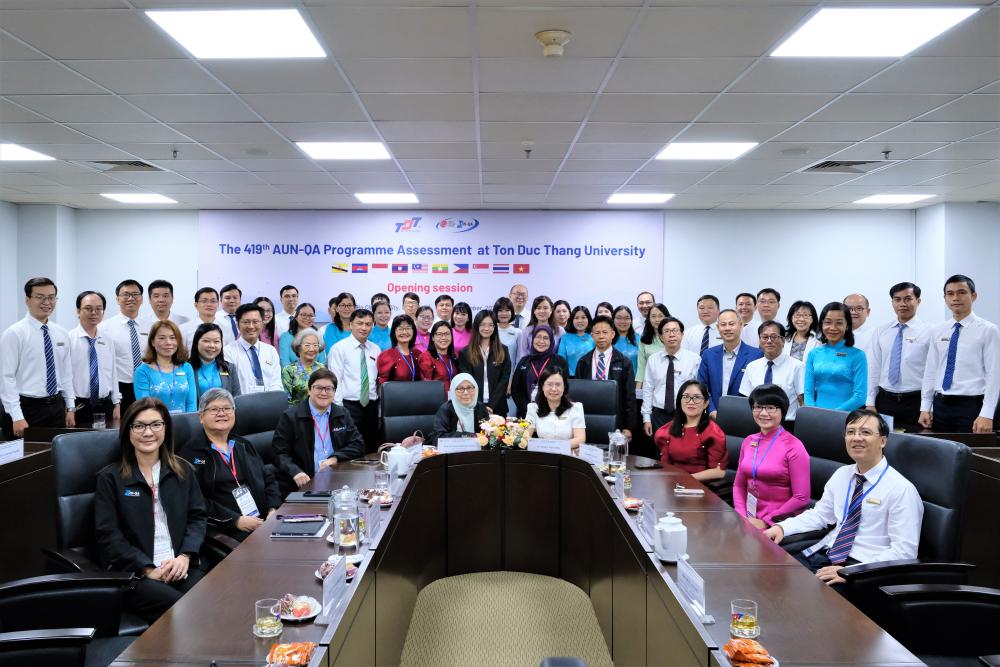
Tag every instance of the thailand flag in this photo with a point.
(501, 268)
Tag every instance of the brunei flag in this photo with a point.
(339, 268)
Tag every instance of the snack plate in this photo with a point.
(332, 538)
(314, 609)
(774, 662)
(350, 575)
(633, 508)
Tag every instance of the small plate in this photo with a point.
(610, 479)
(350, 574)
(332, 539)
(314, 609)
(635, 507)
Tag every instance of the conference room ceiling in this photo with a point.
(453, 88)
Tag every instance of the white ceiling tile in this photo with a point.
(164, 151)
(808, 75)
(443, 177)
(40, 77)
(147, 76)
(342, 166)
(12, 49)
(409, 75)
(969, 108)
(742, 178)
(247, 151)
(517, 177)
(773, 150)
(23, 179)
(592, 178)
(299, 107)
(810, 131)
(40, 133)
(189, 167)
(936, 75)
(449, 188)
(355, 131)
(545, 75)
(538, 132)
(992, 168)
(685, 32)
(13, 113)
(533, 107)
(675, 75)
(394, 32)
(144, 178)
(83, 109)
(969, 150)
(939, 131)
(664, 108)
(297, 177)
(594, 151)
(520, 164)
(672, 181)
(277, 164)
(604, 165)
(427, 131)
(748, 107)
(603, 132)
(229, 179)
(496, 189)
(445, 150)
(710, 189)
(978, 35)
(328, 188)
(372, 179)
(913, 172)
(123, 133)
(83, 152)
(228, 133)
(518, 198)
(872, 150)
(514, 149)
(510, 33)
(411, 165)
(91, 35)
(89, 178)
(758, 132)
(685, 165)
(419, 107)
(880, 107)
(296, 75)
(194, 108)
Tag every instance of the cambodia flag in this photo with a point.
(359, 268)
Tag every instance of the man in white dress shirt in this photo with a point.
(776, 368)
(289, 297)
(161, 300)
(643, 302)
(877, 511)
(129, 333)
(257, 365)
(962, 375)
(746, 309)
(519, 297)
(861, 326)
(411, 301)
(666, 371)
(230, 297)
(768, 305)
(36, 383)
(92, 355)
(443, 305)
(897, 358)
(700, 338)
(352, 360)
(206, 305)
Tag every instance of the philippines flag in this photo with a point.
(379, 266)
(419, 268)
(359, 268)
(400, 268)
(439, 268)
(501, 268)
(461, 268)
(480, 268)
(522, 268)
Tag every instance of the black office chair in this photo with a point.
(408, 407)
(256, 417)
(736, 421)
(185, 425)
(600, 407)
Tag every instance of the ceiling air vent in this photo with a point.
(124, 165)
(847, 166)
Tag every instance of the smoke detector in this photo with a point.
(553, 41)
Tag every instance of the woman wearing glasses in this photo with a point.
(308, 347)
(461, 415)
(439, 361)
(305, 318)
(772, 479)
(400, 363)
(210, 368)
(691, 440)
(149, 514)
(239, 491)
(552, 415)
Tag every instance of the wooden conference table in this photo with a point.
(524, 511)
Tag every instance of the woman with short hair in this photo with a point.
(423, 322)
(552, 415)
(308, 347)
(304, 318)
(803, 325)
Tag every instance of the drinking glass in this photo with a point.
(382, 481)
(100, 421)
(267, 622)
(745, 622)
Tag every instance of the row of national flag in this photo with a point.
(431, 268)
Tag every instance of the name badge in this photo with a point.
(179, 373)
(132, 493)
(244, 500)
(268, 362)
(224, 374)
(338, 429)
(841, 354)
(198, 462)
(751, 506)
(563, 418)
(873, 501)
(372, 358)
(143, 333)
(100, 342)
(945, 340)
(60, 344)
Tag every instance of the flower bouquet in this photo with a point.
(500, 432)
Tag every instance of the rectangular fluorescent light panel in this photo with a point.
(705, 151)
(15, 153)
(386, 197)
(240, 33)
(892, 199)
(639, 198)
(344, 150)
(139, 198)
(876, 32)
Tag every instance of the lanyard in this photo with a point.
(849, 510)
(322, 440)
(756, 466)
(409, 364)
(231, 459)
(539, 371)
(448, 367)
(173, 384)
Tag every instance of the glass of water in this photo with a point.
(100, 421)
(744, 621)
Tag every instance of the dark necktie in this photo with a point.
(769, 373)
(602, 369)
(95, 381)
(258, 374)
(949, 366)
(51, 386)
(668, 394)
(841, 548)
(232, 323)
(704, 339)
(517, 321)
(134, 340)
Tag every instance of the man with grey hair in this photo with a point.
(862, 328)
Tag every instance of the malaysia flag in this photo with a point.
(419, 268)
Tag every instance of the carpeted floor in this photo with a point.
(502, 619)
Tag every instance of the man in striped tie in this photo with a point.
(36, 380)
(92, 354)
(130, 334)
(877, 511)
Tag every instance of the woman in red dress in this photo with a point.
(691, 440)
(400, 363)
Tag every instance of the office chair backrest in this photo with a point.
(736, 421)
(76, 460)
(186, 426)
(408, 407)
(600, 406)
(256, 417)
(822, 433)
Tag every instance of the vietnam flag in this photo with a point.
(522, 268)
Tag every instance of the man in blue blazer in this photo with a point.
(722, 366)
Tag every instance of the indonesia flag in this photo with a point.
(375, 267)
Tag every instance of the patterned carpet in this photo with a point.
(502, 619)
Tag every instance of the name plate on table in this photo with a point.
(11, 451)
(457, 445)
(334, 591)
(416, 454)
(647, 523)
(372, 520)
(592, 454)
(620, 485)
(693, 588)
(550, 446)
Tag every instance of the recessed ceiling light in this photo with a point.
(892, 199)
(386, 197)
(13, 152)
(639, 197)
(875, 32)
(145, 198)
(241, 33)
(705, 151)
(344, 150)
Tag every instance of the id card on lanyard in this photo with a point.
(538, 373)
(241, 494)
(752, 487)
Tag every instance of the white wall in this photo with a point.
(929, 254)
(10, 287)
(972, 247)
(819, 256)
(46, 246)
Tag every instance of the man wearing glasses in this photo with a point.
(206, 304)
(129, 334)
(776, 368)
(519, 297)
(36, 382)
(92, 355)
(862, 328)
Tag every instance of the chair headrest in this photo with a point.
(404, 399)
(735, 417)
(822, 433)
(256, 413)
(938, 468)
(599, 397)
(77, 458)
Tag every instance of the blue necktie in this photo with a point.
(842, 546)
(136, 352)
(602, 369)
(95, 382)
(51, 386)
(769, 373)
(232, 323)
(896, 358)
(258, 374)
(704, 339)
(949, 366)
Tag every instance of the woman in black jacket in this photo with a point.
(461, 415)
(149, 513)
(487, 361)
(239, 490)
(541, 356)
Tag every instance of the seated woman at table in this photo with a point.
(239, 490)
(210, 368)
(149, 514)
(691, 440)
(552, 415)
(166, 373)
(308, 347)
(461, 414)
(541, 357)
(772, 479)
(313, 435)
(400, 363)
(305, 318)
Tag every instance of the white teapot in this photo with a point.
(396, 460)
(671, 538)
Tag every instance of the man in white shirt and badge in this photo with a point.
(861, 326)
(746, 309)
(705, 335)
(161, 300)
(289, 297)
(129, 333)
(92, 355)
(665, 372)
(257, 365)
(776, 368)
(353, 361)
(206, 305)
(230, 298)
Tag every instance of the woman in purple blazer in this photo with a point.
(773, 474)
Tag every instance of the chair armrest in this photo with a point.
(221, 540)
(943, 592)
(797, 542)
(68, 580)
(64, 637)
(907, 571)
(69, 561)
(990, 660)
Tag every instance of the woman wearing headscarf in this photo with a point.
(461, 414)
(524, 381)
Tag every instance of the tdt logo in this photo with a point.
(457, 225)
(409, 225)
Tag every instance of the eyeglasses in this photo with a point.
(139, 427)
(44, 298)
(129, 295)
(442, 334)
(323, 388)
(857, 309)
(225, 410)
(692, 398)
(769, 337)
(765, 409)
(91, 310)
(309, 346)
(465, 389)
(671, 331)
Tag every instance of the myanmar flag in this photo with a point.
(439, 268)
